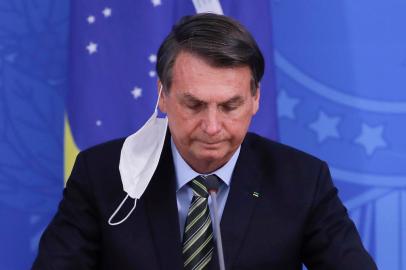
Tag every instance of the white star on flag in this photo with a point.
(136, 92)
(325, 126)
(152, 73)
(106, 12)
(156, 2)
(371, 138)
(91, 19)
(91, 47)
(152, 58)
(98, 123)
(286, 105)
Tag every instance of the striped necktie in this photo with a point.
(198, 245)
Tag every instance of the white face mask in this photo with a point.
(139, 158)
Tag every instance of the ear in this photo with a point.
(162, 97)
(255, 106)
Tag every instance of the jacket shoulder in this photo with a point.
(99, 162)
(112, 145)
(271, 148)
(107, 151)
(280, 155)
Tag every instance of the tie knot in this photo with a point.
(199, 187)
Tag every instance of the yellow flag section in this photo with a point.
(70, 150)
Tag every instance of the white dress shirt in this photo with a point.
(184, 173)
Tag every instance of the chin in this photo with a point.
(210, 155)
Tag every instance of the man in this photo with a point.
(278, 206)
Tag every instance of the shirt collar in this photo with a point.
(184, 173)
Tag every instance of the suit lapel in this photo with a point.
(162, 211)
(240, 204)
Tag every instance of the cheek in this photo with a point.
(176, 115)
(238, 126)
(183, 125)
(238, 129)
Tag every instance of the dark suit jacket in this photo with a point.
(296, 218)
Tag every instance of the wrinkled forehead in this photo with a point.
(193, 76)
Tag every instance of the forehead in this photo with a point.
(193, 75)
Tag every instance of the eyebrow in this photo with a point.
(236, 99)
(191, 98)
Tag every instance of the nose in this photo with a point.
(211, 123)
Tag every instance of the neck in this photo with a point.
(206, 167)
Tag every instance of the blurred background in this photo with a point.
(77, 73)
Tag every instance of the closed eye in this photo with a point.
(196, 106)
(229, 108)
(232, 104)
(192, 103)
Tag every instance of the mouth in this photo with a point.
(213, 144)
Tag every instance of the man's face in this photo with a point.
(209, 110)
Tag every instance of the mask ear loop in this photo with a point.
(159, 96)
(118, 209)
(126, 197)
